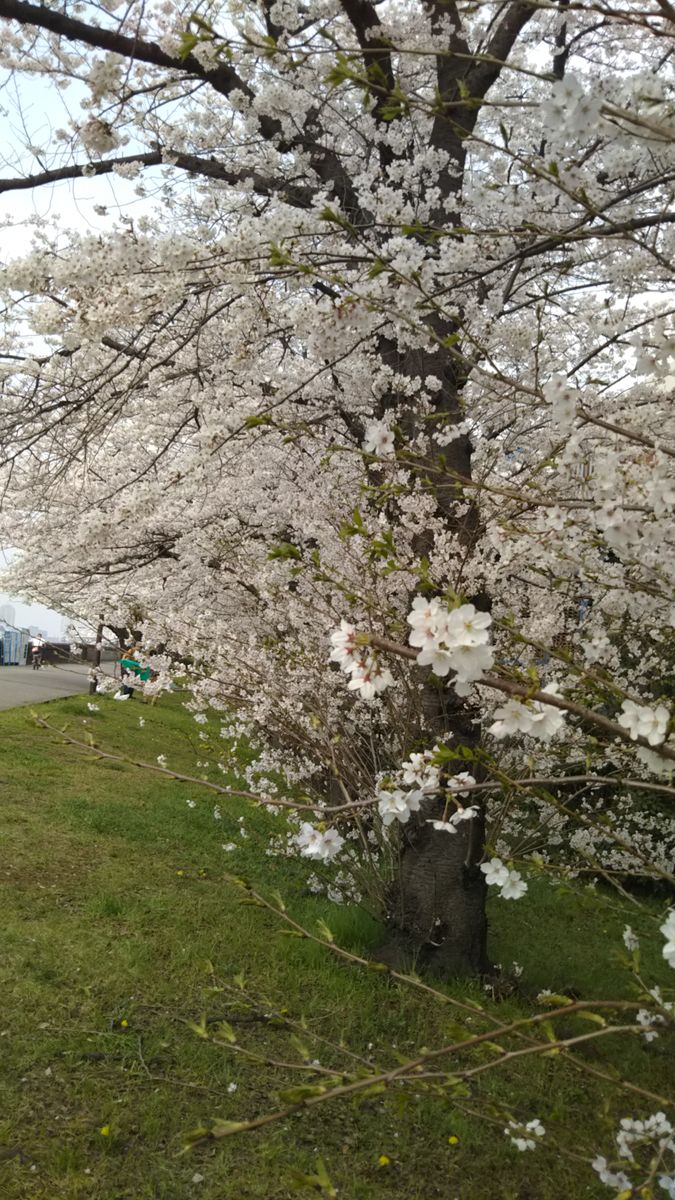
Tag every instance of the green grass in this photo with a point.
(119, 931)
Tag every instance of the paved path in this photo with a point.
(23, 685)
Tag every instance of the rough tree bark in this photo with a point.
(437, 921)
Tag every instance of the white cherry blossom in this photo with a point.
(397, 805)
(525, 1137)
(379, 439)
(668, 931)
(315, 844)
(514, 887)
(496, 872)
(643, 721)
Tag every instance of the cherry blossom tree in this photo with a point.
(387, 357)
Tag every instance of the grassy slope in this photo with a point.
(114, 908)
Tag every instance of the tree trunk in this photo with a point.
(439, 924)
(96, 670)
(437, 921)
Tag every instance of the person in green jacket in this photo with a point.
(129, 665)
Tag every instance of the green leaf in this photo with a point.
(591, 1016)
(253, 421)
(322, 1176)
(201, 1029)
(494, 1047)
(225, 1029)
(376, 268)
(278, 256)
(457, 1032)
(284, 550)
(335, 218)
(302, 1092)
(195, 19)
(319, 1182)
(374, 1089)
(194, 1136)
(300, 1048)
(221, 1129)
(188, 41)
(342, 71)
(353, 527)
(549, 1031)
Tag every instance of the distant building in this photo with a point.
(8, 613)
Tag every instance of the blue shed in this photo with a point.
(14, 644)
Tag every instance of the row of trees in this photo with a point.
(399, 331)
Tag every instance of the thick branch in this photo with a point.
(512, 688)
(487, 70)
(222, 77)
(459, 80)
(210, 168)
(377, 58)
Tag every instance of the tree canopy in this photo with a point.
(387, 349)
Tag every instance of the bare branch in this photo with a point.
(209, 168)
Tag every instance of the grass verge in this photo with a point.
(120, 932)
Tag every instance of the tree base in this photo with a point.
(404, 952)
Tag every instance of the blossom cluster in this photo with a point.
(624, 837)
(525, 1137)
(535, 718)
(570, 109)
(397, 805)
(368, 676)
(379, 439)
(317, 844)
(451, 639)
(654, 1134)
(642, 721)
(448, 639)
(510, 883)
(422, 779)
(449, 822)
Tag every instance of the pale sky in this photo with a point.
(30, 614)
(35, 614)
(32, 119)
